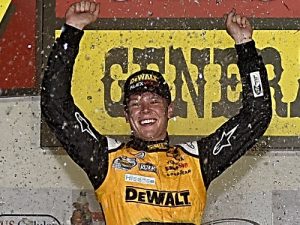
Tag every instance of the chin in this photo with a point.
(147, 138)
(151, 138)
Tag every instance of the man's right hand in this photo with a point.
(82, 13)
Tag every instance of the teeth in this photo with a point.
(147, 121)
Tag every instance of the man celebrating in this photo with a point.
(148, 181)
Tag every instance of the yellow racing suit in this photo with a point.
(142, 182)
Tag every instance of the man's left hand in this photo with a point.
(238, 27)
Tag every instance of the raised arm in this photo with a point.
(82, 142)
(222, 148)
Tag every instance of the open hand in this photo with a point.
(82, 13)
(238, 27)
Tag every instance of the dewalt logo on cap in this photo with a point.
(144, 77)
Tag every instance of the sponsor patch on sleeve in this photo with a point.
(191, 147)
(256, 84)
(112, 143)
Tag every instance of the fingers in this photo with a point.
(237, 19)
(97, 10)
(244, 21)
(92, 7)
(77, 7)
(82, 6)
(229, 16)
(86, 6)
(233, 17)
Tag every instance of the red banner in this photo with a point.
(18, 45)
(190, 8)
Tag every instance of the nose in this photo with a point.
(145, 107)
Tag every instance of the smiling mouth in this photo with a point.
(147, 122)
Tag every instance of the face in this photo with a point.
(148, 115)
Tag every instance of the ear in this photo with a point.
(170, 110)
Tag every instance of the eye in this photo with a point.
(155, 101)
(134, 104)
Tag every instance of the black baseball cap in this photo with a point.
(146, 81)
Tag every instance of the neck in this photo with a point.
(147, 145)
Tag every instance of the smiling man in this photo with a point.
(148, 107)
(147, 180)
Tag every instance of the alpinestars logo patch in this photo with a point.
(85, 127)
(224, 141)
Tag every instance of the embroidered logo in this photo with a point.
(177, 168)
(256, 84)
(191, 147)
(158, 146)
(139, 179)
(224, 141)
(174, 153)
(148, 167)
(124, 163)
(157, 197)
(140, 155)
(85, 127)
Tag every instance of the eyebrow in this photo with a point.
(135, 97)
